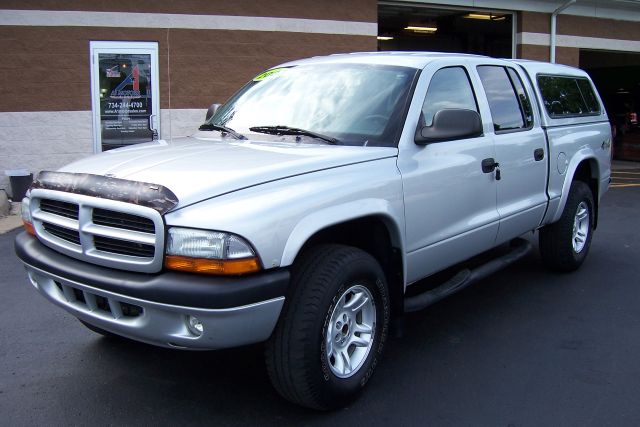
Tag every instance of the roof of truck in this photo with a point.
(539, 67)
(402, 58)
(421, 59)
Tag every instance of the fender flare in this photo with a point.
(333, 215)
(584, 154)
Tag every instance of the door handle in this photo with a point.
(489, 165)
(538, 154)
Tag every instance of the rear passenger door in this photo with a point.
(520, 150)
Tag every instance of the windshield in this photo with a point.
(358, 104)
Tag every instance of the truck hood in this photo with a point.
(196, 168)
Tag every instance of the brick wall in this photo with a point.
(45, 99)
(580, 30)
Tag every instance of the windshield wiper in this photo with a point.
(223, 129)
(286, 130)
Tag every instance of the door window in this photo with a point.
(503, 102)
(449, 88)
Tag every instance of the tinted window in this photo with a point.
(567, 96)
(525, 103)
(449, 88)
(503, 102)
(589, 96)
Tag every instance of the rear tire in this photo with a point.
(332, 330)
(564, 244)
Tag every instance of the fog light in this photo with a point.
(195, 325)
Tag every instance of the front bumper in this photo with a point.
(154, 308)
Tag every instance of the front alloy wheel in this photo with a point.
(332, 328)
(350, 332)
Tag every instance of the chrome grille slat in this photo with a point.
(101, 231)
(50, 218)
(123, 220)
(131, 236)
(107, 244)
(63, 233)
(69, 210)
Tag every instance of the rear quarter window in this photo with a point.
(567, 96)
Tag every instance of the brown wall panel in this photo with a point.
(211, 69)
(47, 69)
(595, 27)
(536, 53)
(568, 56)
(572, 25)
(564, 55)
(533, 22)
(61, 56)
(353, 10)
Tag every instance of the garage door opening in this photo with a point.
(617, 77)
(402, 27)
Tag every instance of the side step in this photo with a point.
(519, 248)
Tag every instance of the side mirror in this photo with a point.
(211, 111)
(450, 124)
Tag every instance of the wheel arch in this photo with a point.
(375, 233)
(585, 168)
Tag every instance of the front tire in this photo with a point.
(332, 330)
(564, 244)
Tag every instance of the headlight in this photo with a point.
(26, 216)
(209, 252)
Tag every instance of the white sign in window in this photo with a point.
(124, 93)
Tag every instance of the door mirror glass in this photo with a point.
(450, 124)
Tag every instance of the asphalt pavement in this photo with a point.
(524, 347)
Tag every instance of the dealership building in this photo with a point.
(79, 77)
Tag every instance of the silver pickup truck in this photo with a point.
(307, 209)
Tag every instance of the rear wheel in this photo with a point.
(564, 244)
(332, 329)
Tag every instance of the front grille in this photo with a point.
(57, 207)
(123, 220)
(122, 247)
(90, 302)
(71, 236)
(105, 232)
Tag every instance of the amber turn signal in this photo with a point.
(231, 267)
(29, 227)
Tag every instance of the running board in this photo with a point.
(519, 248)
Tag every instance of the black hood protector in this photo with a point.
(146, 194)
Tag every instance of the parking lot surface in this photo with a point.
(524, 347)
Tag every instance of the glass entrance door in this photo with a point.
(124, 90)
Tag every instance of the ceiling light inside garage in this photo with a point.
(484, 16)
(421, 29)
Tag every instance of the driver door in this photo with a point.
(450, 203)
